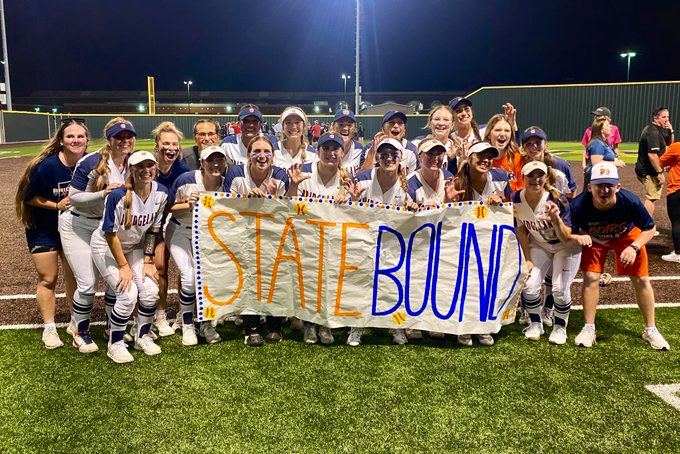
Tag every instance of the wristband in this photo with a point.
(635, 248)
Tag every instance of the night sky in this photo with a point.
(304, 45)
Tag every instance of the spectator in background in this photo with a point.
(671, 159)
(316, 131)
(598, 148)
(361, 132)
(205, 135)
(614, 138)
(653, 141)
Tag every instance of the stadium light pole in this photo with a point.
(629, 55)
(188, 83)
(4, 53)
(344, 78)
(357, 95)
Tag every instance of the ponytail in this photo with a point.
(127, 202)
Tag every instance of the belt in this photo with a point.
(554, 242)
(175, 221)
(87, 217)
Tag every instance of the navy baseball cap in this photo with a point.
(533, 131)
(602, 111)
(324, 139)
(344, 113)
(120, 127)
(250, 112)
(394, 113)
(458, 100)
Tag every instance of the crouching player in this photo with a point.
(605, 218)
(123, 248)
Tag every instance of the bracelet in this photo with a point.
(124, 264)
(635, 248)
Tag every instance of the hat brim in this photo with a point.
(605, 181)
(398, 114)
(436, 147)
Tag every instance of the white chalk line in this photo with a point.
(668, 393)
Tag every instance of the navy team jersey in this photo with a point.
(497, 182)
(535, 221)
(409, 156)
(602, 226)
(562, 167)
(177, 169)
(145, 214)
(368, 181)
(50, 179)
(85, 177)
(238, 181)
(314, 185)
(180, 191)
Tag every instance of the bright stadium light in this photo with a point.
(629, 55)
(54, 110)
(344, 78)
(140, 108)
(37, 109)
(188, 83)
(229, 108)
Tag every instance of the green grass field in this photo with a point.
(431, 396)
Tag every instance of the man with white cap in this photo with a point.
(610, 218)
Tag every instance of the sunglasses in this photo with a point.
(69, 120)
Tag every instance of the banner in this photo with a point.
(455, 268)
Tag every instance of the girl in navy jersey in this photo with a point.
(385, 184)
(326, 178)
(544, 251)
(184, 193)
(170, 166)
(122, 250)
(258, 177)
(96, 175)
(294, 146)
(41, 195)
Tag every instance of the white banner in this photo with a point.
(455, 269)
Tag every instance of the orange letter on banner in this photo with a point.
(343, 267)
(231, 256)
(319, 282)
(296, 258)
(258, 251)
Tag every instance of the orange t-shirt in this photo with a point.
(514, 169)
(671, 159)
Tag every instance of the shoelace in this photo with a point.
(85, 336)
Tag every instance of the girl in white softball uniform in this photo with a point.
(294, 147)
(122, 250)
(184, 193)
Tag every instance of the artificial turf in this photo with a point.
(427, 396)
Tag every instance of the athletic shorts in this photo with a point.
(39, 241)
(593, 258)
(652, 187)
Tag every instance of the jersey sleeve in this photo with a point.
(113, 211)
(596, 148)
(36, 185)
(655, 143)
(162, 192)
(670, 157)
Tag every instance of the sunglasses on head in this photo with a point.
(72, 119)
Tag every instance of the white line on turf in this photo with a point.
(28, 296)
(669, 393)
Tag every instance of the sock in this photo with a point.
(50, 325)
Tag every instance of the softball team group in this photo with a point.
(121, 214)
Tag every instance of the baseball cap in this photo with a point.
(120, 127)
(140, 156)
(206, 152)
(602, 111)
(533, 131)
(392, 142)
(534, 165)
(458, 100)
(288, 111)
(324, 139)
(430, 144)
(344, 113)
(604, 173)
(250, 112)
(394, 113)
(482, 146)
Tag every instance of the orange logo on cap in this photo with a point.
(604, 170)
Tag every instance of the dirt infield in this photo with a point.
(19, 277)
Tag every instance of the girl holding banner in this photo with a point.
(184, 193)
(326, 178)
(544, 250)
(385, 184)
(258, 177)
(478, 181)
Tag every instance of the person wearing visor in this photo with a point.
(344, 124)
(384, 184)
(184, 194)
(544, 251)
(250, 121)
(478, 180)
(259, 177)
(393, 127)
(96, 175)
(294, 147)
(609, 218)
(326, 179)
(123, 247)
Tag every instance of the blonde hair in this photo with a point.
(102, 169)
(304, 141)
(127, 201)
(512, 148)
(428, 125)
(167, 127)
(24, 211)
